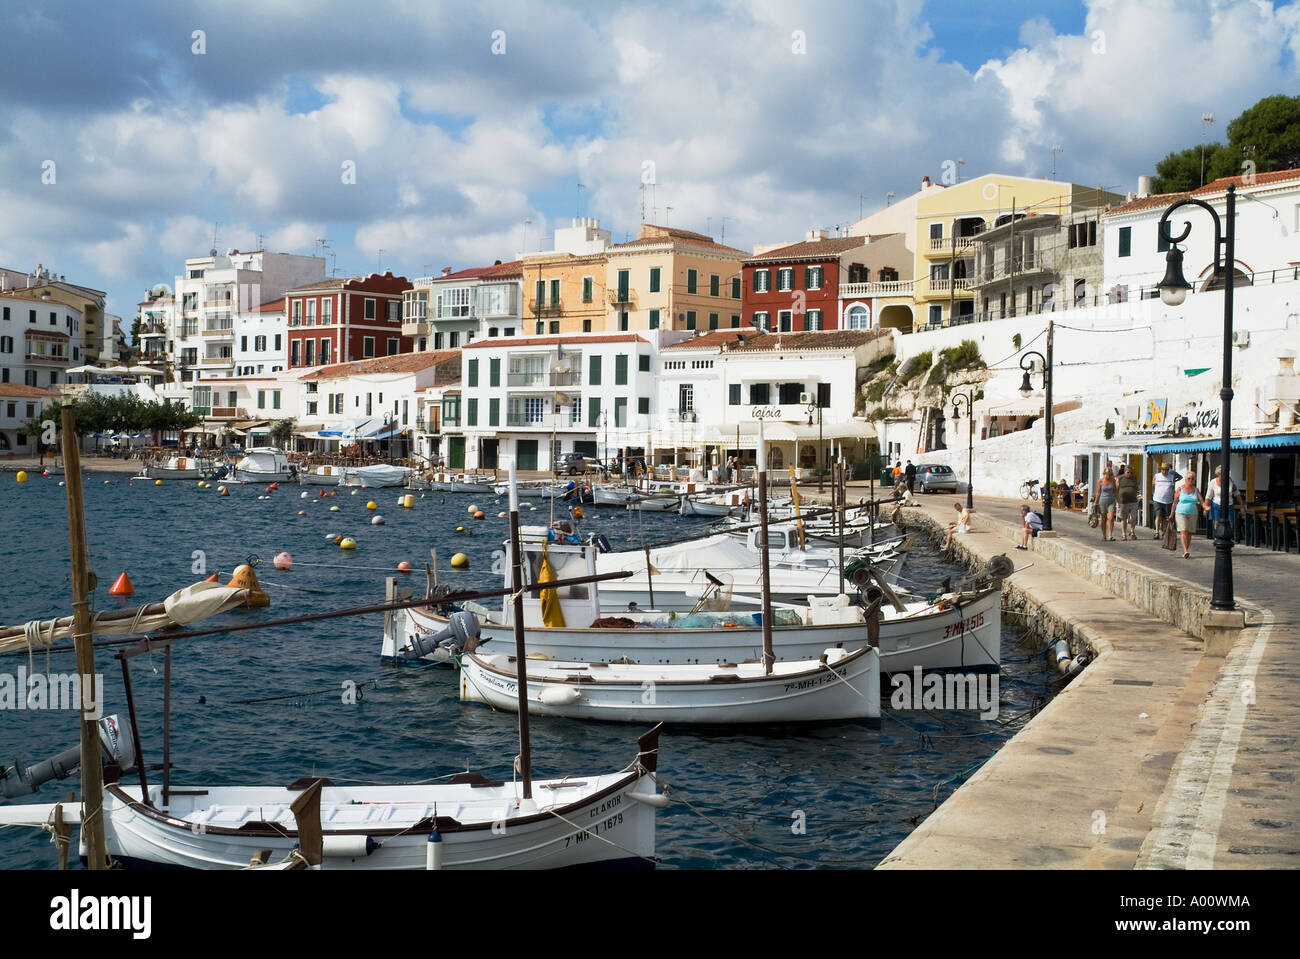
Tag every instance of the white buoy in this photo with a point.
(433, 850)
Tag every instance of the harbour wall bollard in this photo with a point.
(1181, 605)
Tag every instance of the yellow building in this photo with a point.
(564, 293)
(673, 279)
(947, 222)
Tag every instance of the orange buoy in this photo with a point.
(577, 512)
(123, 586)
(403, 567)
(212, 579)
(478, 514)
(282, 561)
(245, 578)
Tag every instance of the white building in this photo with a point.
(214, 290)
(713, 390)
(19, 404)
(537, 397)
(448, 311)
(261, 339)
(37, 337)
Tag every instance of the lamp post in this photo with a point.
(968, 400)
(1027, 364)
(821, 464)
(1173, 291)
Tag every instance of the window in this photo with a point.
(370, 308)
(324, 350)
(620, 370)
(311, 313)
(686, 398)
(622, 320)
(654, 278)
(643, 405)
(692, 280)
(539, 294)
(735, 287)
(824, 395)
(473, 373)
(860, 317)
(785, 320)
(812, 320)
(471, 413)
(31, 316)
(261, 399)
(936, 315)
(623, 294)
(735, 321)
(1125, 240)
(762, 281)
(733, 394)
(715, 284)
(54, 318)
(30, 377)
(295, 314)
(394, 345)
(275, 399)
(394, 310)
(1161, 243)
(309, 354)
(620, 411)
(368, 346)
(6, 344)
(1085, 234)
(453, 339)
(654, 319)
(588, 289)
(553, 326)
(785, 278)
(6, 314)
(812, 277)
(759, 394)
(555, 294)
(643, 363)
(1080, 292)
(690, 319)
(593, 371)
(243, 344)
(788, 393)
(586, 326)
(437, 341)
(326, 311)
(494, 412)
(11, 410)
(762, 321)
(259, 344)
(293, 353)
(936, 232)
(494, 371)
(593, 411)
(713, 321)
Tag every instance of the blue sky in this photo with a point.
(462, 122)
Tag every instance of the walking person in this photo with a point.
(1162, 497)
(1129, 488)
(1216, 497)
(1106, 503)
(1187, 500)
(910, 475)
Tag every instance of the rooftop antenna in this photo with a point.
(641, 190)
(261, 241)
(961, 162)
(654, 205)
(1206, 120)
(889, 198)
(723, 237)
(1055, 150)
(668, 212)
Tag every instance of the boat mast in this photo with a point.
(92, 772)
(768, 656)
(521, 668)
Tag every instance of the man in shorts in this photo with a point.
(1162, 497)
(1030, 524)
(1128, 489)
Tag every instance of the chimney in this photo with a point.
(446, 270)
(1144, 186)
(925, 182)
(815, 235)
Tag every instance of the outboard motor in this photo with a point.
(117, 748)
(461, 628)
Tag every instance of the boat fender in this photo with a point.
(348, 847)
(433, 850)
(559, 696)
(657, 800)
(1058, 652)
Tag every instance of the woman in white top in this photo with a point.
(1213, 495)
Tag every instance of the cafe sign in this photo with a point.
(790, 413)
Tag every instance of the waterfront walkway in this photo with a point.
(1157, 755)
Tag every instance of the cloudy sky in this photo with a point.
(431, 131)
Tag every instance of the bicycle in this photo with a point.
(1029, 489)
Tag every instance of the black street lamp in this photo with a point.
(821, 462)
(967, 399)
(1173, 290)
(1027, 364)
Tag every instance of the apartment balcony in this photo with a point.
(545, 307)
(886, 288)
(527, 379)
(962, 285)
(47, 360)
(416, 328)
(565, 378)
(226, 412)
(620, 297)
(526, 421)
(946, 244)
(218, 305)
(219, 332)
(208, 361)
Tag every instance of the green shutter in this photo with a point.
(494, 412)
(654, 319)
(473, 372)
(620, 411)
(654, 280)
(620, 370)
(690, 319)
(1125, 240)
(586, 289)
(692, 278)
(593, 371)
(261, 399)
(643, 362)
(494, 372)
(555, 293)
(471, 414)
(713, 321)
(807, 277)
(593, 411)
(643, 405)
(622, 286)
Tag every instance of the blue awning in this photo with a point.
(1239, 444)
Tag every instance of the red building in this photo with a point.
(346, 318)
(796, 287)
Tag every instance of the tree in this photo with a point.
(1267, 134)
(282, 432)
(1180, 172)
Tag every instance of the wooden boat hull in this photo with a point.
(847, 687)
(965, 636)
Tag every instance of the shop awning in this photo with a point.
(1239, 444)
(1030, 406)
(248, 424)
(306, 429)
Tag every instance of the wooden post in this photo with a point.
(768, 656)
(521, 659)
(92, 770)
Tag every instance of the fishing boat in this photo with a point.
(726, 504)
(377, 474)
(460, 483)
(613, 495)
(180, 468)
(321, 476)
(478, 823)
(656, 502)
(264, 465)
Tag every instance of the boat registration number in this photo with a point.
(595, 829)
(956, 629)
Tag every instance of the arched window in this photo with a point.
(859, 317)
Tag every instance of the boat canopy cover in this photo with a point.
(714, 552)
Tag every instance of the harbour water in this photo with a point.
(268, 706)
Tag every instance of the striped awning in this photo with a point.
(1239, 444)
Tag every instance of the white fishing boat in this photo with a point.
(656, 503)
(614, 495)
(264, 465)
(378, 474)
(725, 504)
(958, 630)
(322, 476)
(180, 468)
(838, 685)
(543, 490)
(474, 822)
(443, 482)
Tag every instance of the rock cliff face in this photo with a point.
(922, 383)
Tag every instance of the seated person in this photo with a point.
(1031, 523)
(962, 525)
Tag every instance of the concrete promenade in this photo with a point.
(1156, 756)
